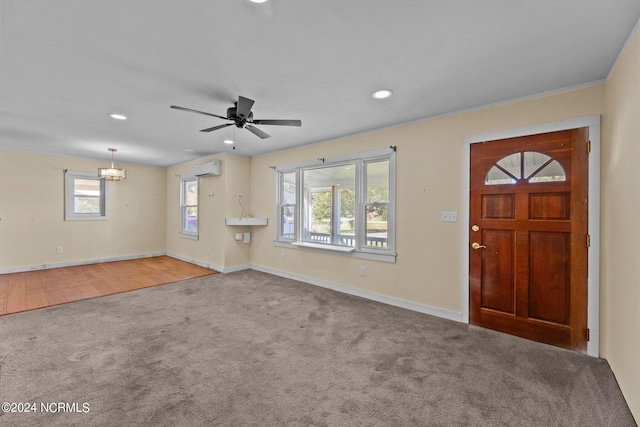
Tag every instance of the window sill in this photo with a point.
(85, 217)
(341, 250)
(326, 247)
(189, 236)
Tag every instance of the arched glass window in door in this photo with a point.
(531, 166)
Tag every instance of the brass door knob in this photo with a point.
(476, 246)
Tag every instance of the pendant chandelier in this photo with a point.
(112, 173)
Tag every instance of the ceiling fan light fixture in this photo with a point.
(241, 117)
(118, 116)
(382, 93)
(112, 173)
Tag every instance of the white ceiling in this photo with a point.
(66, 64)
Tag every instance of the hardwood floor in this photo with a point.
(43, 288)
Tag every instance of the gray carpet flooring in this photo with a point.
(253, 349)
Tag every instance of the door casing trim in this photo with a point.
(593, 282)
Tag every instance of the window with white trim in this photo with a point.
(86, 196)
(345, 204)
(189, 207)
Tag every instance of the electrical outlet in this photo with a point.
(363, 271)
(239, 196)
(283, 256)
(59, 249)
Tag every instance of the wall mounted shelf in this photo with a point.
(246, 221)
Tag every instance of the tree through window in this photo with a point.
(345, 204)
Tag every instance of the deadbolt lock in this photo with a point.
(475, 228)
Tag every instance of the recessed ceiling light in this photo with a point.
(382, 93)
(258, 1)
(228, 141)
(188, 150)
(117, 116)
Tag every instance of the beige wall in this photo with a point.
(217, 195)
(429, 180)
(620, 275)
(237, 180)
(32, 221)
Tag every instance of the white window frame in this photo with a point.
(183, 208)
(69, 197)
(280, 205)
(360, 160)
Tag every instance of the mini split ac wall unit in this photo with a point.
(212, 168)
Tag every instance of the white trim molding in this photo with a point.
(299, 239)
(196, 262)
(237, 268)
(593, 123)
(81, 262)
(208, 265)
(396, 302)
(632, 35)
(124, 258)
(70, 196)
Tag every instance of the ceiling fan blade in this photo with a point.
(216, 127)
(278, 122)
(244, 106)
(257, 131)
(196, 111)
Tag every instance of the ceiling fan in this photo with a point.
(242, 117)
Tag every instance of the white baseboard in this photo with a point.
(123, 258)
(397, 302)
(74, 263)
(196, 262)
(433, 311)
(237, 268)
(210, 266)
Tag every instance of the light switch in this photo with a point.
(449, 216)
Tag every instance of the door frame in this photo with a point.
(593, 282)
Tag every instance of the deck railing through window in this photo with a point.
(345, 240)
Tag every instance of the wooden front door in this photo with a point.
(529, 237)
